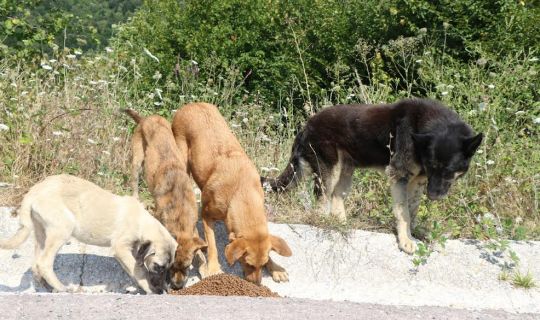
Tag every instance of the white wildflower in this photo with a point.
(193, 62)
(479, 151)
(536, 121)
(53, 60)
(444, 93)
(148, 53)
(245, 120)
(490, 162)
(92, 82)
(489, 216)
(57, 133)
(109, 50)
(78, 52)
(24, 93)
(519, 220)
(491, 86)
(46, 66)
(91, 141)
(3, 127)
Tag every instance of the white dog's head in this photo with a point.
(157, 258)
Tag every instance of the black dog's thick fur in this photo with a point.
(410, 139)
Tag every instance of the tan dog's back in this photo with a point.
(95, 210)
(209, 137)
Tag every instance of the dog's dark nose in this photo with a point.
(436, 195)
(158, 290)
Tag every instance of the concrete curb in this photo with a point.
(360, 267)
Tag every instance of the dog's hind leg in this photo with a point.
(137, 146)
(54, 240)
(278, 273)
(342, 187)
(39, 234)
(401, 210)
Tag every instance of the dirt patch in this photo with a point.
(226, 285)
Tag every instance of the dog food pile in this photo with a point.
(226, 285)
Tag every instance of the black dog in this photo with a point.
(414, 140)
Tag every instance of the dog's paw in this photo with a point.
(206, 271)
(407, 245)
(60, 290)
(280, 276)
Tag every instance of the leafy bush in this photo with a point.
(303, 48)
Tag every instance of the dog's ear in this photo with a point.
(142, 252)
(421, 140)
(235, 250)
(280, 246)
(199, 243)
(471, 144)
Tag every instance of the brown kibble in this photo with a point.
(226, 285)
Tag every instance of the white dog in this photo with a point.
(63, 206)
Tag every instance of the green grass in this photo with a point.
(525, 281)
(52, 113)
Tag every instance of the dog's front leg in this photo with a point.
(414, 194)
(212, 265)
(278, 273)
(401, 210)
(125, 257)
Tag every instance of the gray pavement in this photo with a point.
(116, 306)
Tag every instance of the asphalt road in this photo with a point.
(117, 306)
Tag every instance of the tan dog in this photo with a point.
(231, 191)
(63, 206)
(168, 181)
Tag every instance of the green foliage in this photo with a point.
(436, 236)
(305, 49)
(497, 25)
(30, 28)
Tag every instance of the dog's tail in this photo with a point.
(24, 229)
(133, 114)
(292, 173)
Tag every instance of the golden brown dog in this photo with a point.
(231, 191)
(170, 185)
